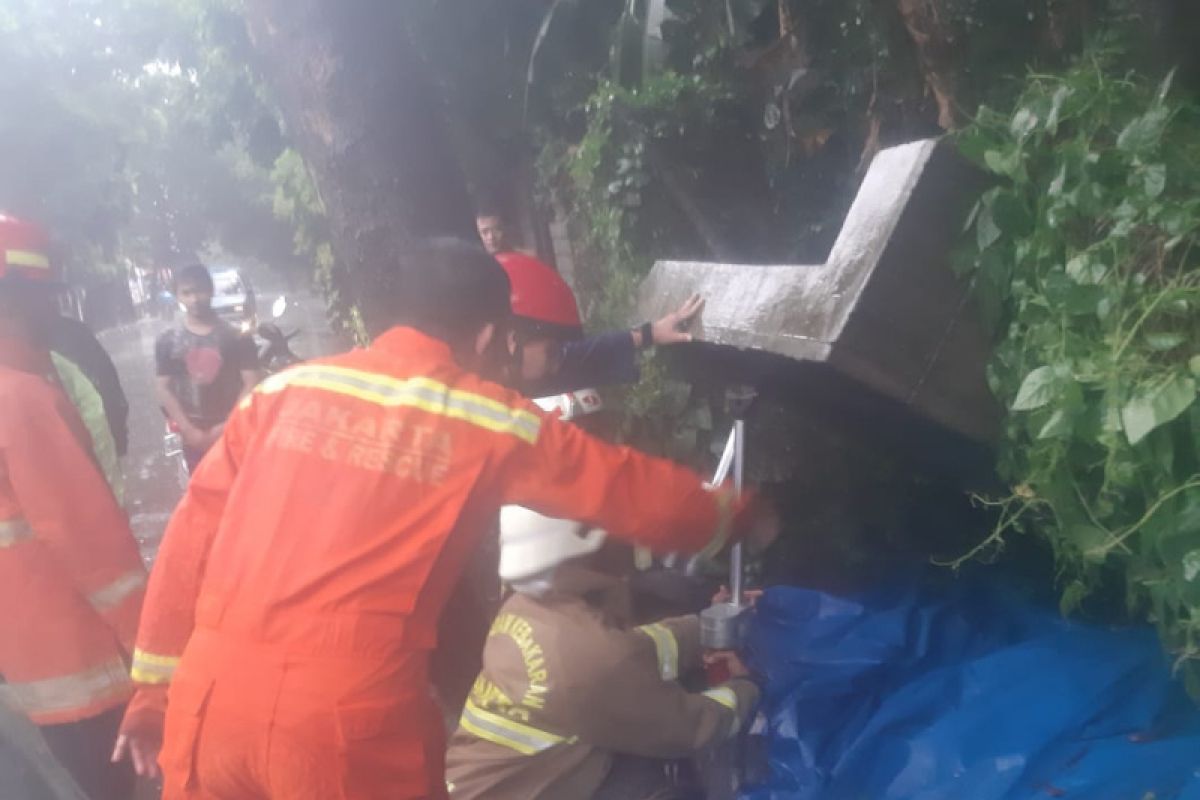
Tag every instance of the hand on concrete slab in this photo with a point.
(672, 329)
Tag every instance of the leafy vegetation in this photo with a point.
(1085, 258)
(137, 133)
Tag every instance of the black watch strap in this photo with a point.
(647, 333)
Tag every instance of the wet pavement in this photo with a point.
(152, 482)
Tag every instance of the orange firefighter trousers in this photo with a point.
(274, 729)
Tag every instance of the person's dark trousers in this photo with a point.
(85, 749)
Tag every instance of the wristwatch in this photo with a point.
(646, 333)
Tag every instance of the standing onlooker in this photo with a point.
(71, 577)
(75, 341)
(204, 366)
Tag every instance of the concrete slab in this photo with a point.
(884, 313)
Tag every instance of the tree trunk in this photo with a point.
(937, 54)
(363, 113)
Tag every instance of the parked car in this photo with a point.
(233, 299)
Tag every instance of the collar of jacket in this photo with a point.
(607, 594)
(20, 354)
(402, 341)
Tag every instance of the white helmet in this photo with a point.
(531, 543)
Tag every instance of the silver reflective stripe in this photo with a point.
(505, 732)
(72, 692)
(423, 393)
(13, 531)
(151, 668)
(115, 593)
(667, 649)
(728, 698)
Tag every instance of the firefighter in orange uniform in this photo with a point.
(295, 599)
(71, 578)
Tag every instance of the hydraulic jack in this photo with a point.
(723, 625)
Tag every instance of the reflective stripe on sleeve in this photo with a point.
(115, 593)
(67, 693)
(151, 668)
(421, 393)
(728, 698)
(500, 730)
(13, 531)
(26, 258)
(666, 647)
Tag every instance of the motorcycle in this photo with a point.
(277, 353)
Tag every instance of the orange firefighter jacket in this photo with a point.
(567, 685)
(328, 526)
(71, 578)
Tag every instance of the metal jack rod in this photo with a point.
(722, 625)
(736, 567)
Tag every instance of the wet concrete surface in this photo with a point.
(152, 481)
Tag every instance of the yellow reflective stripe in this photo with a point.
(421, 393)
(151, 668)
(13, 531)
(27, 258)
(723, 695)
(666, 647)
(724, 498)
(71, 692)
(496, 729)
(115, 593)
(728, 698)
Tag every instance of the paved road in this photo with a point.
(151, 480)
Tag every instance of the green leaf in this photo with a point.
(1154, 179)
(1056, 103)
(1072, 597)
(974, 142)
(1145, 131)
(1010, 214)
(986, 229)
(1024, 122)
(1156, 407)
(1002, 163)
(1091, 541)
(1083, 269)
(1191, 566)
(1059, 426)
(1060, 180)
(1194, 365)
(1038, 389)
(1165, 87)
(1162, 342)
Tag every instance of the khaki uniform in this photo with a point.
(565, 687)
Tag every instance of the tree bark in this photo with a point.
(360, 106)
(936, 53)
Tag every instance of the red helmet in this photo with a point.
(540, 296)
(24, 251)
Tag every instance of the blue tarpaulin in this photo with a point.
(964, 691)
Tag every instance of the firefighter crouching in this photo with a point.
(573, 700)
(295, 599)
(71, 578)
